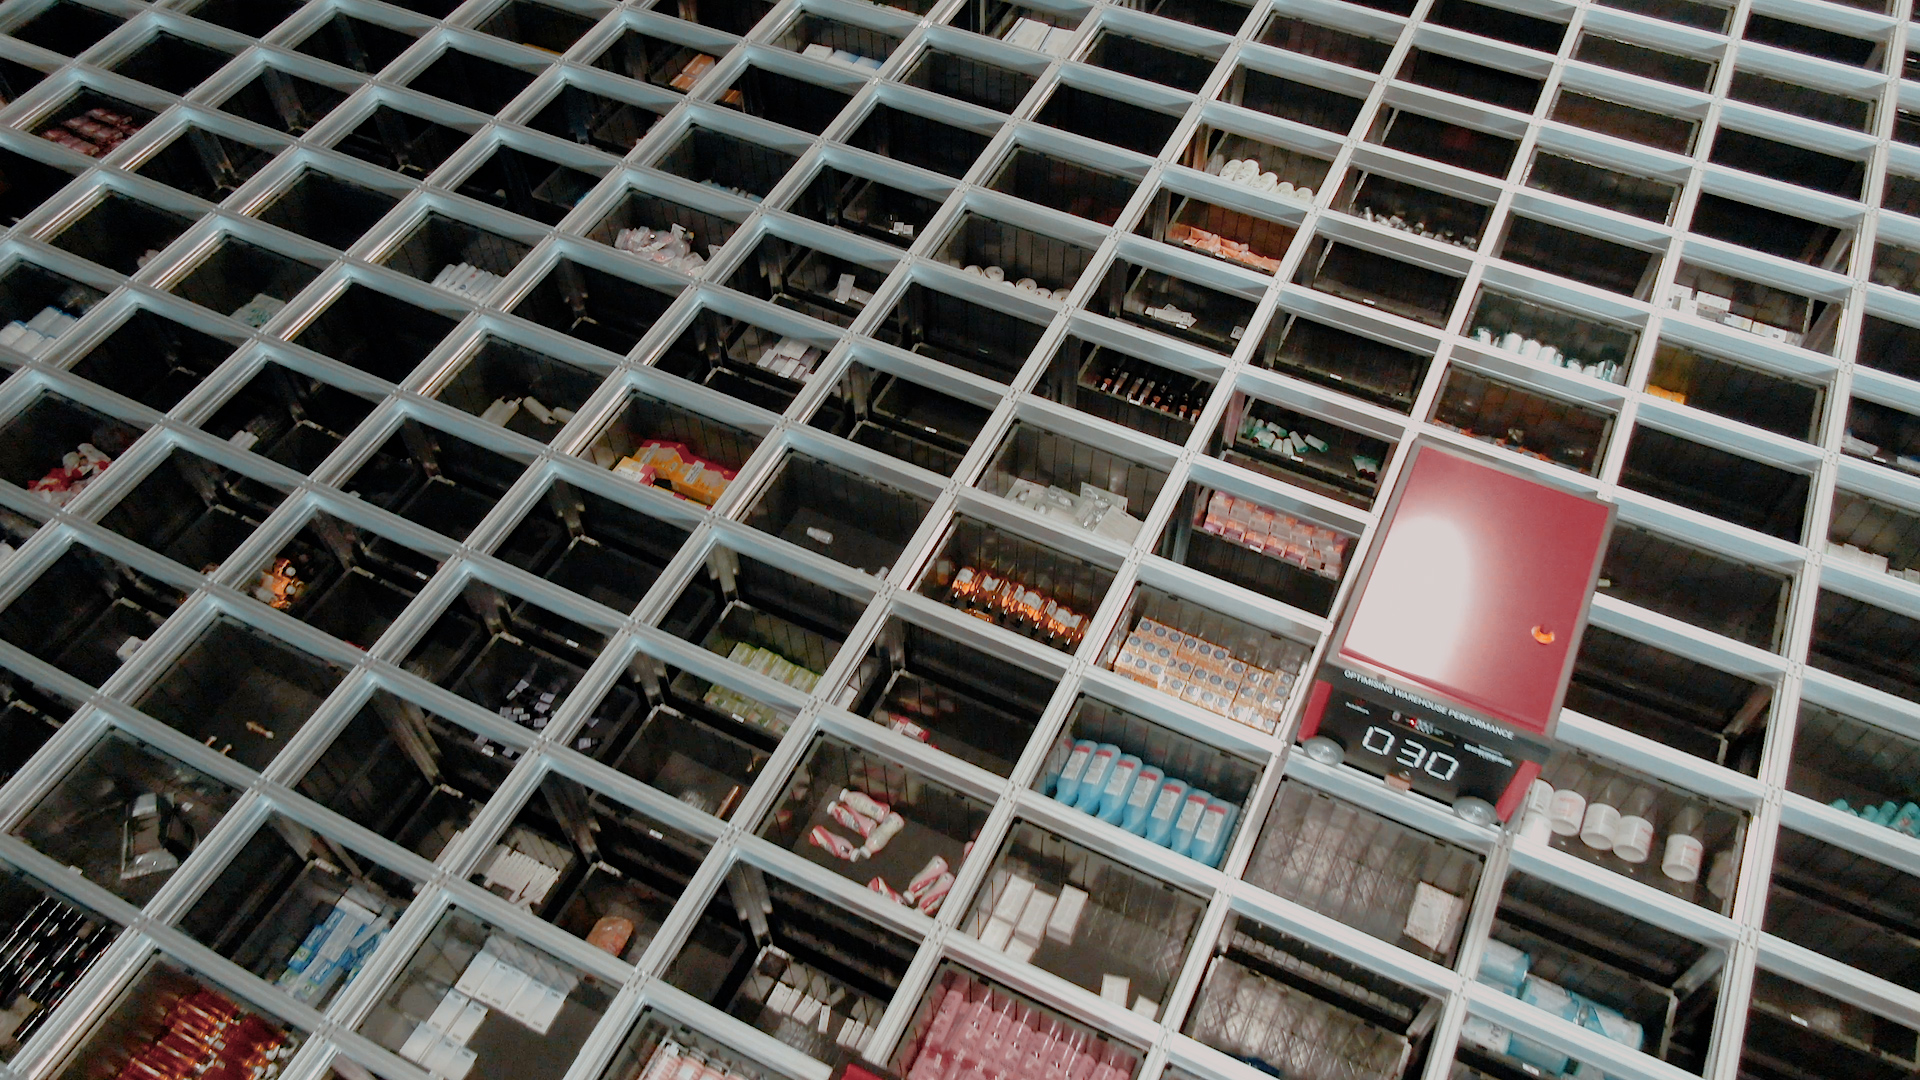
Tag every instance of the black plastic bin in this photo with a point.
(121, 232)
(1781, 1040)
(1112, 385)
(1768, 311)
(593, 305)
(34, 441)
(152, 359)
(1751, 395)
(1521, 419)
(1183, 309)
(356, 43)
(1124, 124)
(1233, 236)
(283, 102)
(783, 99)
(67, 27)
(440, 243)
(1325, 42)
(1256, 670)
(1788, 163)
(1279, 555)
(1291, 99)
(394, 139)
(1348, 469)
(241, 692)
(30, 182)
(596, 120)
(728, 16)
(205, 163)
(974, 81)
(925, 685)
(434, 479)
(1889, 346)
(645, 421)
(92, 123)
(245, 281)
(1786, 235)
(1031, 456)
(1453, 144)
(980, 243)
(1067, 186)
(1711, 590)
(1755, 494)
(1413, 208)
(1367, 277)
(172, 63)
(341, 579)
(1500, 24)
(993, 555)
(518, 388)
(1552, 335)
(1687, 71)
(829, 287)
(967, 334)
(1601, 263)
(1609, 188)
(82, 821)
(797, 949)
(324, 207)
(727, 162)
(1629, 122)
(58, 943)
(545, 27)
(471, 80)
(919, 141)
(636, 209)
(29, 715)
(1693, 707)
(1366, 870)
(869, 207)
(742, 359)
(1867, 643)
(407, 332)
(1144, 59)
(1453, 75)
(900, 417)
(834, 511)
(528, 184)
(1362, 366)
(693, 761)
(652, 59)
(87, 613)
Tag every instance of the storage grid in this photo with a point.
(497, 499)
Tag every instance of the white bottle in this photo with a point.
(1633, 834)
(1603, 816)
(1681, 861)
(1569, 806)
(1535, 824)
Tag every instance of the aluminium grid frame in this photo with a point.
(222, 593)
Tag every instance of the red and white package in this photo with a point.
(930, 899)
(836, 845)
(864, 804)
(847, 816)
(880, 886)
(928, 874)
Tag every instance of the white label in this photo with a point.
(1434, 915)
(1117, 783)
(1238, 332)
(1168, 797)
(1076, 764)
(1209, 829)
(1142, 791)
(1189, 815)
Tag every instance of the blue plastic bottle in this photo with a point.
(1189, 820)
(1166, 807)
(1140, 799)
(1093, 782)
(1113, 799)
(1067, 787)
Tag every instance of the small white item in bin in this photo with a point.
(452, 1004)
(995, 273)
(1026, 284)
(864, 803)
(536, 410)
(501, 411)
(1020, 952)
(1027, 33)
(476, 975)
(1146, 1006)
(243, 439)
(843, 289)
(819, 535)
(257, 311)
(999, 931)
(1064, 923)
(128, 648)
(1434, 917)
(1033, 921)
(818, 52)
(1013, 900)
(888, 828)
(467, 1023)
(1114, 988)
(420, 1042)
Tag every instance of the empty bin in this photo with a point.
(926, 685)
(837, 512)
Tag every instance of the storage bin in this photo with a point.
(1004, 564)
(1125, 124)
(1711, 590)
(1550, 334)
(1283, 556)
(1772, 312)
(407, 334)
(645, 421)
(810, 280)
(1855, 908)
(29, 715)
(1603, 187)
(1384, 878)
(937, 1033)
(56, 944)
(434, 479)
(67, 27)
(595, 306)
(196, 1020)
(705, 230)
(1397, 204)
(1513, 27)
(1807, 102)
(401, 141)
(244, 281)
(91, 123)
(1737, 391)
(35, 441)
(1043, 29)
(205, 163)
(284, 102)
(298, 910)
(121, 232)
(660, 61)
(30, 182)
(1336, 46)
(1321, 353)
(1150, 60)
(1224, 665)
(591, 119)
(658, 1041)
(990, 342)
(1149, 398)
(729, 16)
(969, 79)
(1693, 707)
(1524, 421)
(901, 417)
(1291, 99)
(172, 63)
(1031, 460)
(1451, 144)
(1695, 13)
(1348, 469)
(528, 184)
(1755, 494)
(1202, 315)
(87, 613)
(1775, 233)
(926, 685)
(356, 43)
(536, 1043)
(469, 79)
(918, 140)
(695, 762)
(1793, 1029)
(152, 359)
(1481, 82)
(806, 970)
(1365, 276)
(1814, 41)
(1865, 642)
(447, 252)
(1067, 186)
(1232, 236)
(1224, 16)
(240, 691)
(784, 99)
(342, 579)
(1600, 263)
(838, 512)
(872, 208)
(511, 385)
(980, 244)
(719, 160)
(1123, 934)
(1871, 534)
(1282, 1005)
(192, 510)
(543, 26)
(1888, 346)
(1789, 164)
(744, 360)
(85, 818)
